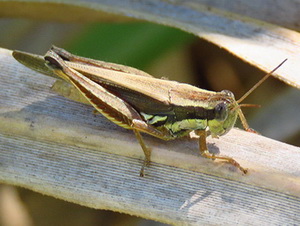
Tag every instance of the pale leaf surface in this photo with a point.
(57, 147)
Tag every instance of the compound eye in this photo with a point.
(221, 112)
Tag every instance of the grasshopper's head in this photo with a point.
(225, 111)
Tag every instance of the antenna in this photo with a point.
(260, 82)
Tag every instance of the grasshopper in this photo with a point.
(135, 100)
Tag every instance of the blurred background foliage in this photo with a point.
(161, 51)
